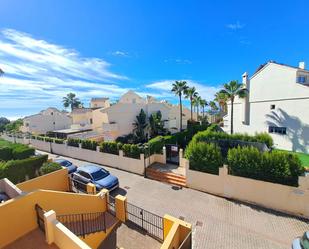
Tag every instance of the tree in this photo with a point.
(197, 103)
(14, 125)
(156, 125)
(140, 125)
(179, 88)
(231, 90)
(213, 106)
(221, 99)
(203, 104)
(191, 93)
(3, 122)
(71, 101)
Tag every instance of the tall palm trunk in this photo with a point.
(203, 111)
(232, 115)
(191, 109)
(197, 109)
(180, 102)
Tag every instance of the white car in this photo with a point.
(302, 242)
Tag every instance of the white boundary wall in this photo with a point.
(288, 199)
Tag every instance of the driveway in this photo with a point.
(217, 222)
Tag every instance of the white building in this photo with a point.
(278, 103)
(118, 119)
(47, 120)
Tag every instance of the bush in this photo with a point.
(6, 153)
(276, 166)
(21, 151)
(132, 150)
(41, 138)
(110, 147)
(89, 144)
(59, 141)
(49, 167)
(156, 145)
(74, 142)
(204, 157)
(48, 139)
(16, 170)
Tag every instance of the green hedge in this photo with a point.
(276, 166)
(132, 150)
(59, 141)
(208, 136)
(89, 144)
(16, 170)
(204, 157)
(6, 153)
(156, 145)
(49, 167)
(41, 138)
(110, 147)
(21, 151)
(74, 142)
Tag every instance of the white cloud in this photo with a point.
(235, 26)
(178, 61)
(120, 53)
(165, 86)
(41, 73)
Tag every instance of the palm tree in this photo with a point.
(231, 90)
(191, 93)
(179, 88)
(213, 106)
(1, 72)
(203, 104)
(197, 103)
(156, 124)
(140, 125)
(221, 99)
(71, 101)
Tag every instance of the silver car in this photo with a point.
(302, 242)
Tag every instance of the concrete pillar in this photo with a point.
(91, 189)
(164, 155)
(80, 145)
(142, 157)
(49, 219)
(121, 153)
(121, 207)
(98, 148)
(104, 192)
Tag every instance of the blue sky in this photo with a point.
(104, 48)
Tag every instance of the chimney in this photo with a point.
(245, 78)
(302, 65)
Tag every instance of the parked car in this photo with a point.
(65, 163)
(100, 177)
(302, 242)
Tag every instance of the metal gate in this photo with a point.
(172, 153)
(111, 205)
(40, 217)
(151, 223)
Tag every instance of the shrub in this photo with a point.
(21, 151)
(132, 150)
(16, 170)
(74, 142)
(41, 138)
(156, 145)
(110, 147)
(59, 141)
(48, 139)
(49, 167)
(6, 153)
(276, 166)
(265, 138)
(89, 144)
(204, 157)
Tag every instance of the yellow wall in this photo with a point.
(18, 215)
(57, 180)
(174, 232)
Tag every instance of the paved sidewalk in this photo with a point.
(217, 222)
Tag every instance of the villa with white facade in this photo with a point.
(46, 120)
(277, 103)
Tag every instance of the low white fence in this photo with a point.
(120, 161)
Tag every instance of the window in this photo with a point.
(51, 113)
(54, 123)
(272, 107)
(90, 121)
(301, 79)
(134, 101)
(277, 130)
(84, 174)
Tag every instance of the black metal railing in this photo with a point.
(187, 243)
(40, 217)
(83, 224)
(150, 222)
(111, 205)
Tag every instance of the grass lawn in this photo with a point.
(304, 158)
